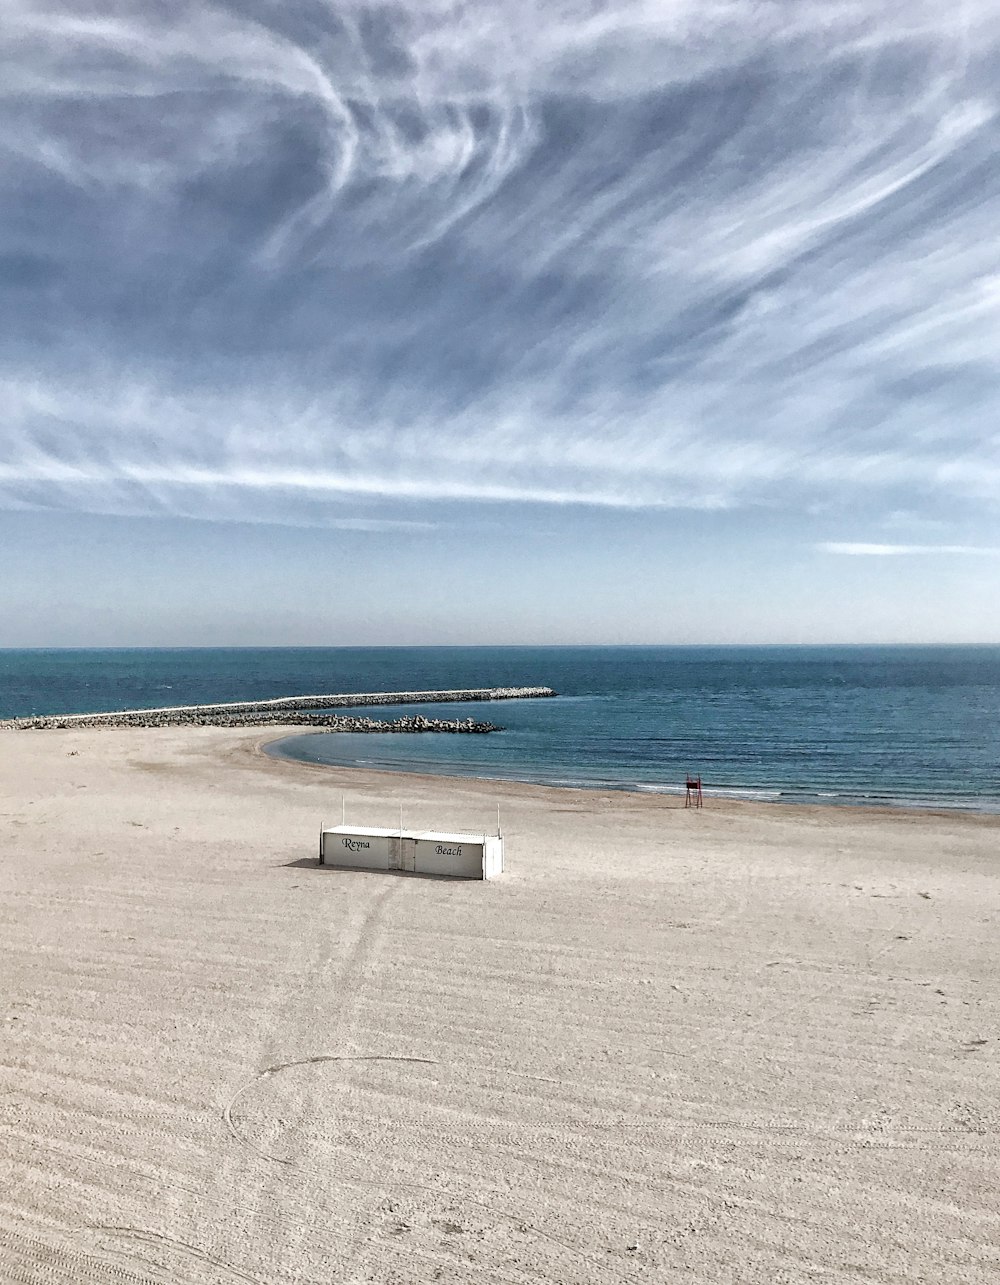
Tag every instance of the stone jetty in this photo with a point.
(296, 710)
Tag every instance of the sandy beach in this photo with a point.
(747, 1044)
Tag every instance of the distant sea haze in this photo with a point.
(894, 726)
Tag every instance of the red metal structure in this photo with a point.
(692, 795)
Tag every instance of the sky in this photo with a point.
(456, 321)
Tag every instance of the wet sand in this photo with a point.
(748, 1044)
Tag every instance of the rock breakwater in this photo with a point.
(297, 710)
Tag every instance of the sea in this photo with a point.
(913, 727)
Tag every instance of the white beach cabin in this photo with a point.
(427, 852)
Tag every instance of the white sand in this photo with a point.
(751, 1044)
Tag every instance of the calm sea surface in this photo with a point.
(904, 726)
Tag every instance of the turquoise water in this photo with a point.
(904, 726)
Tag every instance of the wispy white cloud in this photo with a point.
(853, 550)
(642, 253)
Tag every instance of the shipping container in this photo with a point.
(458, 854)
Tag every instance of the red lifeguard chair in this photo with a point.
(692, 794)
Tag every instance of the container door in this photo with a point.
(456, 857)
(407, 854)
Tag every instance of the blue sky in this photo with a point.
(597, 320)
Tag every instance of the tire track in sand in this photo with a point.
(348, 984)
(24, 1259)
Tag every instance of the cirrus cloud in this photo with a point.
(856, 550)
(649, 253)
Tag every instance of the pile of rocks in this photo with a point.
(188, 718)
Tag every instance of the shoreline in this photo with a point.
(251, 746)
(275, 733)
(260, 737)
(674, 793)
